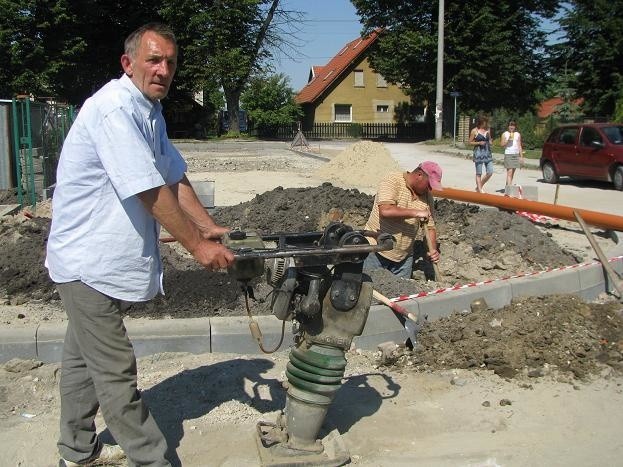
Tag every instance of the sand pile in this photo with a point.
(363, 163)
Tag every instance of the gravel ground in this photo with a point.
(475, 369)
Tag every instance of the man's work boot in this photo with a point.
(110, 454)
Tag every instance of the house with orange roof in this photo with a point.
(548, 107)
(348, 90)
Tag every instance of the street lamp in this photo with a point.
(455, 94)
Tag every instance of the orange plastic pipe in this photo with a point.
(597, 219)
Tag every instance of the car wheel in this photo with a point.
(549, 173)
(618, 178)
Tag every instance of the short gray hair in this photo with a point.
(134, 39)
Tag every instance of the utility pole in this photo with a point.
(439, 98)
(454, 94)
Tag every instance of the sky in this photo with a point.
(327, 25)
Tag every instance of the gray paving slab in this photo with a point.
(50, 338)
(232, 335)
(617, 265)
(592, 281)
(553, 282)
(190, 335)
(432, 307)
(17, 343)
(381, 326)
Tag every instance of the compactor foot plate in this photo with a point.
(278, 454)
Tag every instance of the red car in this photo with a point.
(591, 151)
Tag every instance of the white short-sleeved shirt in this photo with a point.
(101, 234)
(512, 145)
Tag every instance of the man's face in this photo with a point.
(419, 182)
(153, 68)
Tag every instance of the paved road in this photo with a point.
(458, 172)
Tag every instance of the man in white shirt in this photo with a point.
(119, 178)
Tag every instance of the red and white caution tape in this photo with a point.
(402, 298)
(540, 218)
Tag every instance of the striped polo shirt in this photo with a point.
(394, 189)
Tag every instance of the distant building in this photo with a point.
(550, 106)
(347, 90)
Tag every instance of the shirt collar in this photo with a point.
(413, 193)
(147, 105)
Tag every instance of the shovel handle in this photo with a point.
(612, 275)
(394, 306)
(431, 247)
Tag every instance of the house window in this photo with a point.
(382, 108)
(380, 81)
(343, 113)
(358, 78)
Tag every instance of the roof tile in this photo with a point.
(324, 76)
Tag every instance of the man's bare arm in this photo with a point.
(194, 210)
(162, 203)
(393, 211)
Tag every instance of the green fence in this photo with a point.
(39, 130)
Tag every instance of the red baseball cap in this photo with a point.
(433, 171)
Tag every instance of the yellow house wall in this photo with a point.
(364, 100)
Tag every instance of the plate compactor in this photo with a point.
(319, 286)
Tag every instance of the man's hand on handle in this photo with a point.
(434, 256)
(197, 238)
(213, 255)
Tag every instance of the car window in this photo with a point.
(568, 135)
(614, 134)
(589, 135)
(553, 138)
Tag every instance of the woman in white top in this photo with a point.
(513, 151)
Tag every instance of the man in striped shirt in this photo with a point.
(402, 202)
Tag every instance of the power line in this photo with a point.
(320, 20)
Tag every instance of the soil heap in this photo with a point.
(363, 163)
(476, 244)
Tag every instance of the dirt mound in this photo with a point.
(23, 275)
(297, 209)
(362, 163)
(530, 337)
(8, 196)
(476, 245)
(493, 244)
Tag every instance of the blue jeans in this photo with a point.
(487, 165)
(403, 268)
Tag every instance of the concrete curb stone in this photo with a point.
(231, 334)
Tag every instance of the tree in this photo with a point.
(225, 41)
(593, 51)
(618, 108)
(493, 49)
(70, 48)
(27, 50)
(65, 48)
(269, 102)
